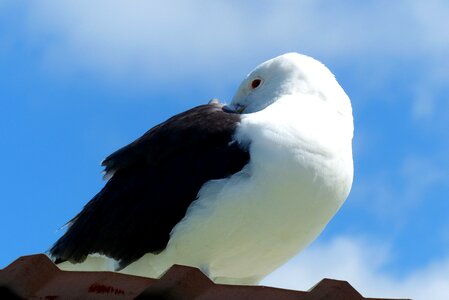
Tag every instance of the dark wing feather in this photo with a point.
(154, 180)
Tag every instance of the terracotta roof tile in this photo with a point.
(36, 277)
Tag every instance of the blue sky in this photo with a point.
(80, 79)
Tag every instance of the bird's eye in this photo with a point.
(255, 83)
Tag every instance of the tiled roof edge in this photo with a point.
(35, 276)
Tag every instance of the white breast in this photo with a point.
(242, 228)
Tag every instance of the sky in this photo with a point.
(79, 79)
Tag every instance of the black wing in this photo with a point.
(154, 180)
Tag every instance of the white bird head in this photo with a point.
(289, 74)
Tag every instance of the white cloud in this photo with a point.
(430, 98)
(397, 192)
(364, 265)
(140, 42)
(115, 36)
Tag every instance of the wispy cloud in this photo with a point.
(398, 192)
(430, 102)
(364, 265)
(166, 35)
(159, 41)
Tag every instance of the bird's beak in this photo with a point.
(236, 108)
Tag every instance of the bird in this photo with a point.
(234, 189)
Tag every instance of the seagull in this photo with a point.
(235, 190)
